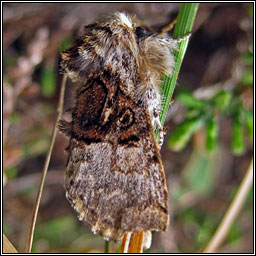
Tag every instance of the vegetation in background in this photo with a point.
(202, 175)
(207, 114)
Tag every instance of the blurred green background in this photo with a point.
(207, 149)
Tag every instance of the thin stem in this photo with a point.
(132, 242)
(45, 169)
(7, 246)
(106, 249)
(232, 212)
(183, 27)
(136, 243)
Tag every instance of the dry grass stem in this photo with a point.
(45, 169)
(125, 243)
(132, 243)
(232, 212)
(7, 246)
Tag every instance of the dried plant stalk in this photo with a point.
(132, 243)
(44, 172)
(232, 212)
(7, 246)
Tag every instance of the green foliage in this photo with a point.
(11, 172)
(53, 231)
(206, 113)
(250, 198)
(9, 61)
(65, 44)
(48, 81)
(183, 27)
(36, 147)
(248, 115)
(250, 11)
(198, 176)
(221, 100)
(106, 250)
(212, 130)
(237, 135)
(234, 233)
(118, 249)
(197, 226)
(207, 227)
(183, 133)
(14, 118)
(247, 77)
(188, 100)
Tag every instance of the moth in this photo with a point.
(115, 178)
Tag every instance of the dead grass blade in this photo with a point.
(7, 246)
(44, 172)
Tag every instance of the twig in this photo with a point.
(7, 246)
(125, 243)
(232, 212)
(136, 243)
(106, 249)
(132, 243)
(46, 165)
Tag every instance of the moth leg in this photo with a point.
(169, 26)
(182, 38)
(161, 133)
(159, 127)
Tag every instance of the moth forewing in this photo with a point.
(115, 177)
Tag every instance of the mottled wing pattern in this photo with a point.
(114, 178)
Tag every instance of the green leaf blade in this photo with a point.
(183, 27)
